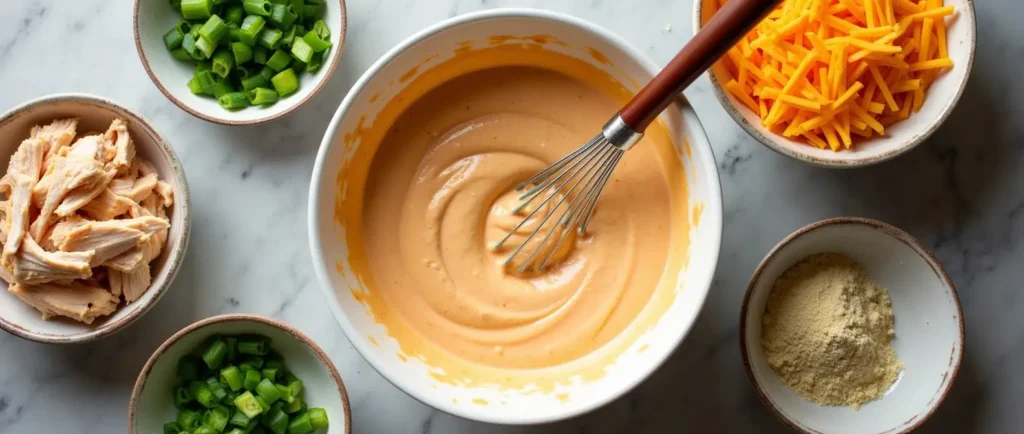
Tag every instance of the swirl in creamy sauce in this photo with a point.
(437, 199)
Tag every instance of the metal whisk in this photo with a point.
(572, 185)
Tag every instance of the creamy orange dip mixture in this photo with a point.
(436, 199)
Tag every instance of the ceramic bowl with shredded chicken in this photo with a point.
(93, 218)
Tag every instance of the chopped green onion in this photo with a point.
(257, 7)
(214, 29)
(321, 30)
(242, 53)
(316, 41)
(206, 80)
(173, 38)
(234, 14)
(259, 55)
(234, 32)
(215, 352)
(274, 361)
(296, 405)
(254, 345)
(298, 65)
(182, 396)
(289, 37)
(263, 403)
(203, 394)
(172, 428)
(233, 100)
(302, 50)
(300, 425)
(239, 419)
(285, 82)
(188, 420)
(206, 47)
(277, 420)
(318, 417)
(231, 340)
(267, 73)
(195, 87)
(286, 394)
(221, 87)
(223, 62)
(188, 43)
(212, 383)
(196, 9)
(205, 430)
(248, 405)
(252, 378)
(229, 397)
(269, 373)
(217, 418)
(256, 362)
(251, 83)
(231, 376)
(268, 391)
(311, 12)
(175, 4)
(297, 6)
(283, 16)
(279, 60)
(294, 385)
(236, 431)
(270, 38)
(317, 61)
(251, 28)
(181, 54)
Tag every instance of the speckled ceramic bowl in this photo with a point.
(152, 19)
(152, 403)
(928, 320)
(333, 257)
(900, 137)
(95, 114)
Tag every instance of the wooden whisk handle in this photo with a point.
(713, 40)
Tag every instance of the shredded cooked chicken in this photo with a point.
(81, 220)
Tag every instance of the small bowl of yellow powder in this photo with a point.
(850, 325)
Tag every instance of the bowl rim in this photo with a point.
(238, 317)
(847, 163)
(892, 231)
(262, 120)
(712, 203)
(176, 254)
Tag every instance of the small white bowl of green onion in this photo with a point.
(236, 374)
(239, 62)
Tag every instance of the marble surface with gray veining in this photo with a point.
(962, 193)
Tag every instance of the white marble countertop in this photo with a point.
(962, 193)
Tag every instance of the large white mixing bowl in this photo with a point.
(384, 80)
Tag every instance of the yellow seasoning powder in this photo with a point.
(827, 332)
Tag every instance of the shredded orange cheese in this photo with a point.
(828, 70)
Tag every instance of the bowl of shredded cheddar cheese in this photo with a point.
(846, 83)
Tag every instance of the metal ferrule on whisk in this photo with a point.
(569, 188)
(616, 132)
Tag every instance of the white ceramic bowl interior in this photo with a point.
(900, 137)
(154, 18)
(152, 403)
(95, 114)
(330, 251)
(928, 321)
